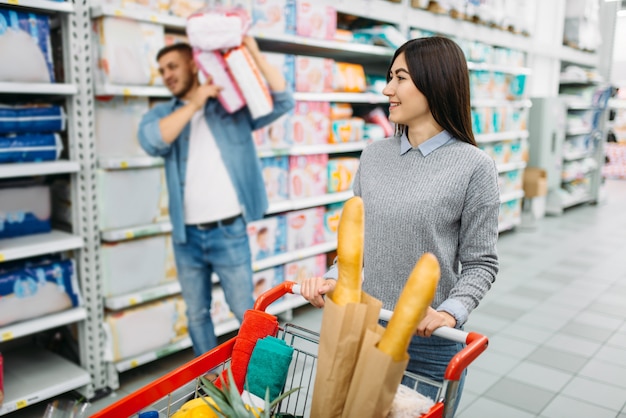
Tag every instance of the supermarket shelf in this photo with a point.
(43, 323)
(7, 87)
(568, 203)
(131, 363)
(476, 66)
(38, 169)
(32, 375)
(341, 51)
(167, 20)
(579, 176)
(502, 168)
(123, 234)
(315, 149)
(366, 97)
(221, 328)
(578, 131)
(577, 81)
(576, 56)
(372, 9)
(32, 245)
(577, 156)
(309, 202)
(41, 5)
(500, 136)
(293, 256)
(134, 298)
(507, 197)
(500, 102)
(573, 105)
(508, 225)
(142, 91)
(122, 163)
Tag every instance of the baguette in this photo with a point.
(350, 236)
(417, 295)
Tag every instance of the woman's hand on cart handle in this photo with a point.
(313, 289)
(448, 333)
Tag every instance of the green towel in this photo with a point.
(268, 367)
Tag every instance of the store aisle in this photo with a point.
(556, 320)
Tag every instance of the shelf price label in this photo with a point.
(21, 404)
(2, 258)
(6, 336)
(13, 2)
(134, 363)
(126, 91)
(129, 234)
(124, 164)
(132, 301)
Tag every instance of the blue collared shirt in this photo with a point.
(233, 135)
(428, 146)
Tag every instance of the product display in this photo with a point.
(30, 147)
(305, 228)
(22, 119)
(24, 211)
(268, 237)
(117, 123)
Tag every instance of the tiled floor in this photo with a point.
(556, 320)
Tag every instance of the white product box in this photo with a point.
(117, 124)
(305, 228)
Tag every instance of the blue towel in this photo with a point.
(268, 367)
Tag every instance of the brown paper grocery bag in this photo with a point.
(375, 380)
(341, 336)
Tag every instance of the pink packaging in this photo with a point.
(377, 116)
(311, 123)
(275, 135)
(305, 228)
(315, 20)
(274, 16)
(307, 175)
(212, 64)
(314, 74)
(309, 267)
(249, 79)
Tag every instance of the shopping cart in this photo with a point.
(168, 393)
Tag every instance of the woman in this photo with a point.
(427, 189)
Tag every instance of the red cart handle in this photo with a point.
(275, 293)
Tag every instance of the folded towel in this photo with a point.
(268, 367)
(255, 325)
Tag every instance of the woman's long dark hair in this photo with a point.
(438, 69)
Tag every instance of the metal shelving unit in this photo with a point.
(38, 169)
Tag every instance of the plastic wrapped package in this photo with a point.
(129, 266)
(264, 280)
(22, 119)
(332, 214)
(212, 64)
(248, 77)
(37, 289)
(315, 20)
(24, 210)
(30, 148)
(305, 228)
(314, 74)
(311, 123)
(25, 47)
(341, 172)
(307, 175)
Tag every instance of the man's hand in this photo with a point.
(204, 92)
(250, 43)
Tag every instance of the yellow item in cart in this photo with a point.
(197, 408)
(411, 308)
(350, 237)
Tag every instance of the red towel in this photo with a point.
(255, 325)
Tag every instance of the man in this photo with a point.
(214, 182)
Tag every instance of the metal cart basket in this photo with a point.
(168, 393)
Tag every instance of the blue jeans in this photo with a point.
(225, 251)
(429, 357)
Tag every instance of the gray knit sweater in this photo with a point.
(446, 203)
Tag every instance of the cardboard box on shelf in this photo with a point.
(535, 182)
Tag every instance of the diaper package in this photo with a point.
(129, 266)
(314, 74)
(268, 237)
(25, 47)
(117, 123)
(311, 123)
(306, 268)
(218, 28)
(24, 210)
(125, 51)
(277, 134)
(30, 148)
(37, 289)
(145, 328)
(220, 311)
(332, 214)
(346, 130)
(264, 280)
(341, 172)
(315, 19)
(23, 119)
(131, 197)
(249, 79)
(305, 228)
(185, 8)
(212, 64)
(307, 175)
(274, 16)
(349, 77)
(276, 177)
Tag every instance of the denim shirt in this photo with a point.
(233, 135)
